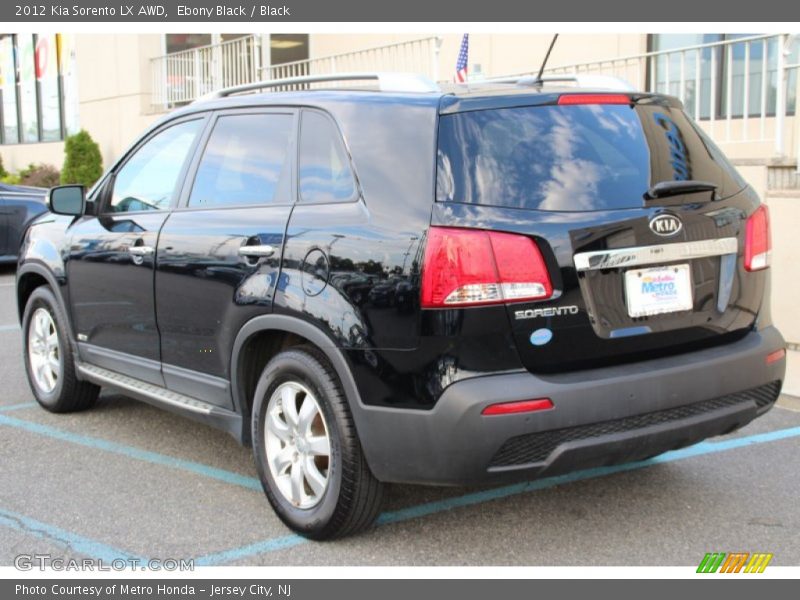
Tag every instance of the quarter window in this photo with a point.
(325, 174)
(147, 181)
(245, 162)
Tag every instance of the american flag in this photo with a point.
(461, 63)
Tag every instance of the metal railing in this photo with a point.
(740, 90)
(182, 77)
(413, 56)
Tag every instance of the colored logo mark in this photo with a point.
(734, 562)
(541, 336)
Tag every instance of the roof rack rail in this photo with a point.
(387, 82)
(582, 80)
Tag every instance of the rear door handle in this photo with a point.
(141, 250)
(256, 251)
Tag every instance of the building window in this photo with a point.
(26, 86)
(8, 90)
(38, 88)
(46, 64)
(700, 75)
(288, 47)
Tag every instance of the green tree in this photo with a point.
(82, 161)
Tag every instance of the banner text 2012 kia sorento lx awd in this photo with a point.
(509, 281)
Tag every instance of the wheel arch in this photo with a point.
(33, 275)
(274, 333)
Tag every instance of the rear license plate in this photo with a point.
(658, 290)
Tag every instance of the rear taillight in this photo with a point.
(470, 267)
(757, 242)
(594, 99)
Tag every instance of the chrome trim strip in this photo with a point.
(650, 255)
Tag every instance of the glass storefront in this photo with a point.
(38, 87)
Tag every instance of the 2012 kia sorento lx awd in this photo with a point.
(372, 286)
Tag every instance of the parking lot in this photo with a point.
(128, 480)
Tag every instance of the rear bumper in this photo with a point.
(600, 417)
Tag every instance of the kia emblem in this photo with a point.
(665, 225)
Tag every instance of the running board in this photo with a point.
(160, 397)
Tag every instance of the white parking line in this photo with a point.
(9, 327)
(7, 284)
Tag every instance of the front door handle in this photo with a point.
(256, 251)
(141, 250)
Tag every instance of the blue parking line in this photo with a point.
(17, 406)
(131, 452)
(422, 510)
(77, 543)
(405, 514)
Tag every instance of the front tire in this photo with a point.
(307, 452)
(49, 361)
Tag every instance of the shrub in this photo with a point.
(45, 176)
(3, 172)
(82, 161)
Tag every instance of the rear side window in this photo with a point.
(325, 174)
(245, 162)
(571, 158)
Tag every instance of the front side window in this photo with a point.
(325, 174)
(245, 162)
(147, 181)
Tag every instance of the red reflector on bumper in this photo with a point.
(775, 356)
(523, 406)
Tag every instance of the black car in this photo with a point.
(584, 281)
(19, 205)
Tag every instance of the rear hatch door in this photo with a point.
(635, 276)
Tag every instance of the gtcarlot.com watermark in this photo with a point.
(29, 562)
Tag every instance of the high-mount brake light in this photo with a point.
(472, 267)
(573, 99)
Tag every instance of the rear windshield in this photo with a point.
(566, 158)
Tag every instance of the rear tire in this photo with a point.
(49, 360)
(307, 452)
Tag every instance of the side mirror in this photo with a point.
(67, 200)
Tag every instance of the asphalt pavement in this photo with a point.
(129, 480)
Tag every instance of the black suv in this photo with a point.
(368, 286)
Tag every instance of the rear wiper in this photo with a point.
(674, 188)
